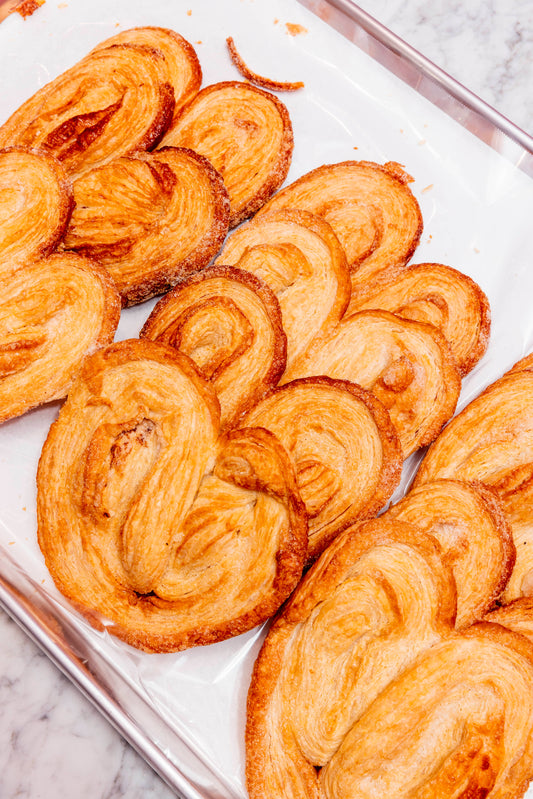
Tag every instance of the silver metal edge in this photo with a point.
(430, 70)
(62, 654)
(99, 698)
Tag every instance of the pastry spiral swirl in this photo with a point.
(439, 295)
(229, 323)
(407, 365)
(150, 219)
(184, 69)
(370, 207)
(246, 133)
(35, 205)
(53, 313)
(346, 452)
(357, 620)
(150, 522)
(468, 521)
(298, 255)
(459, 722)
(116, 100)
(491, 440)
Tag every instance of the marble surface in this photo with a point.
(52, 741)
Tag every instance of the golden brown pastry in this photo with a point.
(246, 133)
(184, 69)
(299, 256)
(370, 207)
(458, 723)
(491, 440)
(346, 452)
(439, 295)
(516, 615)
(116, 100)
(35, 205)
(469, 523)
(53, 313)
(407, 365)
(359, 617)
(152, 525)
(229, 322)
(150, 219)
(259, 80)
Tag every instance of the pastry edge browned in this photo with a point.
(270, 302)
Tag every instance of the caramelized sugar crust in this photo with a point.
(229, 322)
(436, 294)
(154, 525)
(371, 208)
(247, 135)
(491, 440)
(150, 219)
(345, 449)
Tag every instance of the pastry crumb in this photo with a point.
(189, 12)
(27, 7)
(293, 29)
(428, 188)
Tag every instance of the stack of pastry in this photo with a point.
(403, 662)
(258, 425)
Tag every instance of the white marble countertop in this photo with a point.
(52, 741)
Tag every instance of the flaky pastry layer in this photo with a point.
(469, 522)
(116, 100)
(299, 256)
(53, 313)
(153, 525)
(184, 69)
(247, 135)
(229, 322)
(407, 365)
(371, 208)
(458, 723)
(36, 202)
(491, 440)
(373, 601)
(150, 219)
(436, 294)
(346, 452)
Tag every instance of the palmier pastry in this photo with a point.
(301, 259)
(184, 69)
(53, 313)
(346, 452)
(35, 205)
(491, 440)
(439, 295)
(370, 207)
(359, 617)
(459, 722)
(150, 219)
(407, 365)
(116, 100)
(151, 524)
(229, 322)
(468, 521)
(246, 133)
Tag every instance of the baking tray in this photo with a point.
(367, 96)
